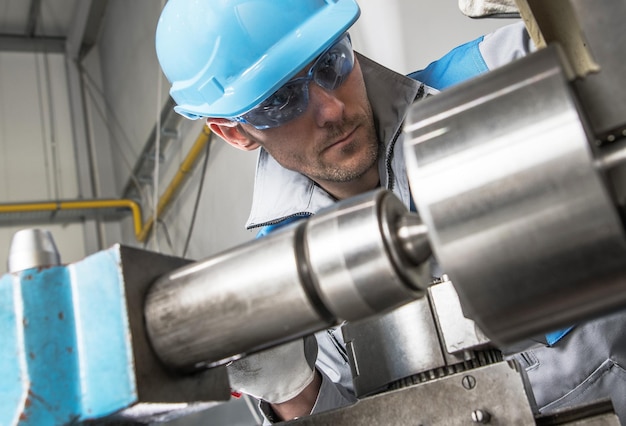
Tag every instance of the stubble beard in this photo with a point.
(342, 173)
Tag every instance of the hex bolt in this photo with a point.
(481, 416)
(468, 382)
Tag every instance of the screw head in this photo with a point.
(468, 382)
(481, 416)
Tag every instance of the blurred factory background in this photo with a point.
(84, 111)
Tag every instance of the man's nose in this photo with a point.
(327, 107)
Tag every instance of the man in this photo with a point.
(281, 76)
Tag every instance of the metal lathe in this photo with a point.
(518, 180)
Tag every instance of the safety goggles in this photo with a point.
(329, 71)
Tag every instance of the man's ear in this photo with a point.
(231, 132)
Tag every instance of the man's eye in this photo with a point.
(328, 61)
(280, 98)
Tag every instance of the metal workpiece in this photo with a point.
(412, 238)
(457, 333)
(406, 343)
(504, 177)
(345, 263)
(361, 259)
(32, 248)
(236, 302)
(420, 341)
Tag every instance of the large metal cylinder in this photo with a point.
(348, 262)
(503, 175)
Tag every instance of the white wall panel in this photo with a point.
(132, 80)
(99, 120)
(26, 157)
(130, 72)
(225, 200)
(37, 160)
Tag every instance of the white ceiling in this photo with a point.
(45, 25)
(36, 18)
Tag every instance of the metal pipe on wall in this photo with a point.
(82, 208)
(93, 207)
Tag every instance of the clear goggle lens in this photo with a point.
(329, 71)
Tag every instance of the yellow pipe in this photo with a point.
(183, 173)
(141, 231)
(121, 203)
(28, 207)
(77, 205)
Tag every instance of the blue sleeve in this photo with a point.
(461, 63)
(265, 230)
(504, 45)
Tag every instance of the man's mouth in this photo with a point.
(345, 137)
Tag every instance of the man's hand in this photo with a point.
(278, 374)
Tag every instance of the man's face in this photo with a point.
(333, 142)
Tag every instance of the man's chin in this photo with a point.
(345, 174)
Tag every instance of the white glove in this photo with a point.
(484, 8)
(277, 374)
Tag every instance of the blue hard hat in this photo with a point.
(223, 57)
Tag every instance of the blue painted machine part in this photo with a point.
(65, 351)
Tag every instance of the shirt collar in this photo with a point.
(280, 193)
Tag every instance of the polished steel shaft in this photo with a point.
(361, 257)
(504, 174)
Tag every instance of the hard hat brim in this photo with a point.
(282, 62)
